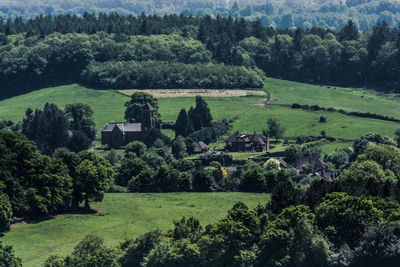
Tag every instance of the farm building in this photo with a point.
(247, 142)
(319, 167)
(120, 134)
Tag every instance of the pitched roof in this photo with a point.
(238, 138)
(259, 139)
(123, 127)
(200, 146)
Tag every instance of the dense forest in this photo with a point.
(332, 14)
(113, 51)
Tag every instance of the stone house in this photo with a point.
(247, 142)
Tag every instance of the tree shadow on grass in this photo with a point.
(38, 219)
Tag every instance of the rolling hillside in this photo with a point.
(121, 216)
(249, 112)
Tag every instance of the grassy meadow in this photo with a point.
(348, 99)
(250, 114)
(122, 216)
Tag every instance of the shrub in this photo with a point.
(296, 105)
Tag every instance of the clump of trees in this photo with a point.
(194, 120)
(197, 126)
(33, 185)
(52, 128)
(137, 103)
(166, 75)
(7, 257)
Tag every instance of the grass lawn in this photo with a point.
(331, 147)
(244, 155)
(124, 216)
(107, 105)
(342, 98)
(301, 123)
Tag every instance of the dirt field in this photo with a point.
(172, 93)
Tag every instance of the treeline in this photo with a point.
(34, 186)
(112, 60)
(349, 113)
(331, 14)
(305, 14)
(169, 75)
(317, 55)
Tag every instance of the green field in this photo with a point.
(348, 99)
(123, 216)
(108, 105)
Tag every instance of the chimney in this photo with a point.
(268, 147)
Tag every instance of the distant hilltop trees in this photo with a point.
(331, 14)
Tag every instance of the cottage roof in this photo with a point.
(259, 139)
(123, 127)
(200, 146)
(238, 138)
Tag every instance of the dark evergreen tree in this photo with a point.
(380, 34)
(200, 116)
(298, 36)
(183, 125)
(348, 32)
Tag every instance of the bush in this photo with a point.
(315, 108)
(295, 105)
(7, 257)
(117, 189)
(207, 134)
(5, 212)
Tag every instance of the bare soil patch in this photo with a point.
(263, 105)
(175, 93)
